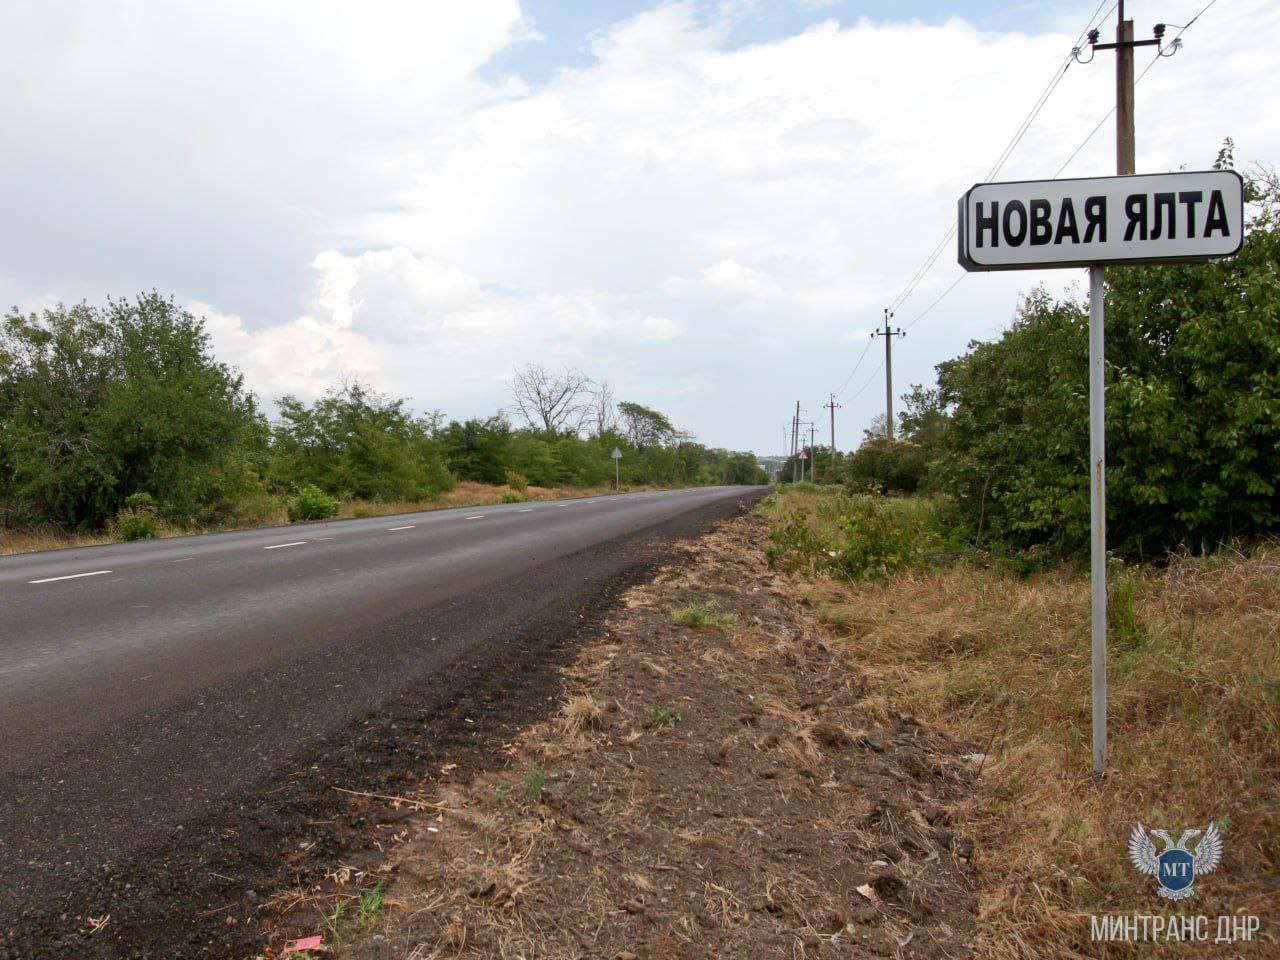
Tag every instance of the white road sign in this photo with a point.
(617, 454)
(1146, 218)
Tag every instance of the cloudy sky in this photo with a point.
(706, 203)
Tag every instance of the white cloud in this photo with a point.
(705, 227)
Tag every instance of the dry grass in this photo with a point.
(273, 512)
(1194, 714)
(47, 538)
(779, 817)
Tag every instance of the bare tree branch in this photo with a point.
(554, 402)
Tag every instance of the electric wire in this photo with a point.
(1112, 112)
(1027, 122)
(861, 357)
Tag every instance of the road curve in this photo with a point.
(145, 686)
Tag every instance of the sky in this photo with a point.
(706, 204)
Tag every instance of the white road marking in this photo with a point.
(277, 546)
(182, 560)
(71, 576)
(406, 527)
(324, 538)
(478, 516)
(525, 510)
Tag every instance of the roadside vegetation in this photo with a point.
(951, 562)
(1193, 414)
(118, 422)
(973, 645)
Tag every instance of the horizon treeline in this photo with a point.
(99, 405)
(1193, 412)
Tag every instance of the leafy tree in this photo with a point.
(479, 450)
(1193, 408)
(101, 403)
(645, 428)
(356, 442)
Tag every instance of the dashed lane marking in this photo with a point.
(71, 576)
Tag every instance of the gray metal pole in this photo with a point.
(1098, 515)
(617, 476)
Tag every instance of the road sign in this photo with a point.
(1149, 218)
(804, 455)
(617, 454)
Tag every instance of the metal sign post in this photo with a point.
(1159, 218)
(617, 475)
(1098, 516)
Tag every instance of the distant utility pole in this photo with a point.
(1125, 164)
(813, 465)
(833, 407)
(888, 369)
(795, 436)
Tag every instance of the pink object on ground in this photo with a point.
(305, 943)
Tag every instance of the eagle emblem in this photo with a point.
(1175, 867)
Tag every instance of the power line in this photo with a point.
(861, 357)
(955, 283)
(1111, 113)
(870, 380)
(1059, 72)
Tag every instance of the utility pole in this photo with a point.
(888, 369)
(795, 436)
(833, 407)
(813, 465)
(1125, 164)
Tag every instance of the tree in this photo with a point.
(645, 428)
(553, 402)
(357, 442)
(479, 449)
(604, 415)
(102, 403)
(1193, 408)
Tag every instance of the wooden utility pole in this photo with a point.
(1125, 146)
(795, 436)
(833, 407)
(888, 335)
(813, 466)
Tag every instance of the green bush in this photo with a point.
(1193, 394)
(876, 543)
(517, 481)
(795, 545)
(312, 503)
(510, 496)
(138, 520)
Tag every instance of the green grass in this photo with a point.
(535, 780)
(663, 717)
(700, 615)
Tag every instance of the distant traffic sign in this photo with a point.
(617, 454)
(1096, 221)
(804, 455)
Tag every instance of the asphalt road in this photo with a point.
(146, 688)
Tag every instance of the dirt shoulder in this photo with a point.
(715, 784)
